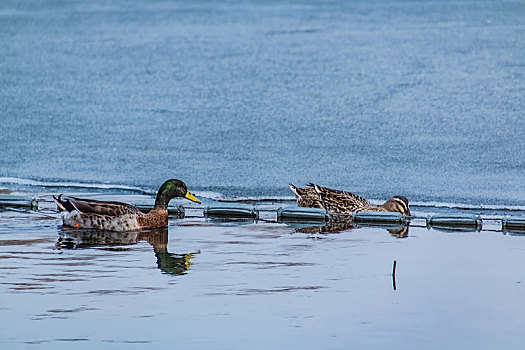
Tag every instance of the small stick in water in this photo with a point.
(394, 276)
(394, 269)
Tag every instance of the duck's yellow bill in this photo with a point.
(191, 197)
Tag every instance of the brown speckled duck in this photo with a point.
(118, 216)
(342, 202)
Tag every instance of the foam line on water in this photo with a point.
(67, 184)
(96, 186)
(256, 199)
(432, 204)
(207, 194)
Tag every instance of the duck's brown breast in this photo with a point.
(154, 219)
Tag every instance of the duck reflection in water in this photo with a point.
(174, 264)
(398, 231)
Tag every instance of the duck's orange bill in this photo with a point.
(191, 197)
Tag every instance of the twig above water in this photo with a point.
(394, 275)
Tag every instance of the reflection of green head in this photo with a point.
(174, 264)
(171, 189)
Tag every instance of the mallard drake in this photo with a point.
(118, 216)
(342, 202)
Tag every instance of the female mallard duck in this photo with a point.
(118, 216)
(342, 202)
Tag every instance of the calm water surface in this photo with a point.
(204, 284)
(238, 99)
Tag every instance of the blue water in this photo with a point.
(206, 285)
(239, 98)
(423, 99)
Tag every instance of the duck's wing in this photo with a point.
(307, 197)
(84, 205)
(338, 201)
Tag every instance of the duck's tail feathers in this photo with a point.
(60, 204)
(295, 190)
(316, 188)
(64, 205)
(73, 205)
